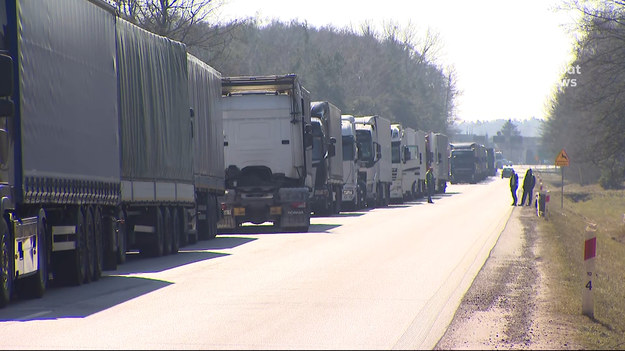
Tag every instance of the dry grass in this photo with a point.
(564, 232)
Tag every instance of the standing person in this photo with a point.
(528, 186)
(514, 185)
(429, 184)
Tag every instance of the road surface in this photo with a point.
(386, 278)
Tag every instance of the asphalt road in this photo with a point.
(387, 278)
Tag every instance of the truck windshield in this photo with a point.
(348, 148)
(395, 152)
(363, 137)
(462, 158)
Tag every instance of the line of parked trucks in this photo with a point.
(113, 139)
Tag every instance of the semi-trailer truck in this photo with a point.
(373, 134)
(327, 158)
(267, 152)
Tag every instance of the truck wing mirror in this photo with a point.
(4, 148)
(308, 137)
(332, 150)
(6, 86)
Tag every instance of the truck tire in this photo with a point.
(121, 230)
(211, 216)
(159, 226)
(80, 259)
(6, 264)
(203, 225)
(99, 242)
(109, 237)
(176, 230)
(168, 231)
(91, 245)
(35, 285)
(338, 199)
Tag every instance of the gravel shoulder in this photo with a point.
(509, 304)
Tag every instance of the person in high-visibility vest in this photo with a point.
(429, 184)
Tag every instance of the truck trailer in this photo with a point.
(267, 152)
(156, 139)
(327, 158)
(96, 143)
(208, 150)
(373, 134)
(60, 147)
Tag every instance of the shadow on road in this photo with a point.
(81, 301)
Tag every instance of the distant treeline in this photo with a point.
(362, 73)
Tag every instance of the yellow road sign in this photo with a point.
(562, 159)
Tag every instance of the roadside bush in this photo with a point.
(612, 174)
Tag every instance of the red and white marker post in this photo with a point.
(590, 251)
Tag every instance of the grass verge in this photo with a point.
(564, 233)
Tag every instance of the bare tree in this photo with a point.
(187, 21)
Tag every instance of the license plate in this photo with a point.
(239, 211)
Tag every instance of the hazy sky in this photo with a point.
(508, 55)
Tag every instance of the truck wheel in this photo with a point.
(6, 264)
(35, 285)
(121, 228)
(203, 225)
(109, 237)
(211, 216)
(80, 253)
(99, 245)
(191, 238)
(91, 245)
(158, 240)
(168, 231)
(338, 199)
(176, 230)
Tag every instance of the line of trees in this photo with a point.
(393, 73)
(587, 118)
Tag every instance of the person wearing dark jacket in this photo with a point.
(528, 187)
(514, 185)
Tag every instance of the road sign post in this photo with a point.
(562, 160)
(590, 251)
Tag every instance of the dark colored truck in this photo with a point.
(327, 158)
(468, 163)
(97, 143)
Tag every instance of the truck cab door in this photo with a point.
(332, 147)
